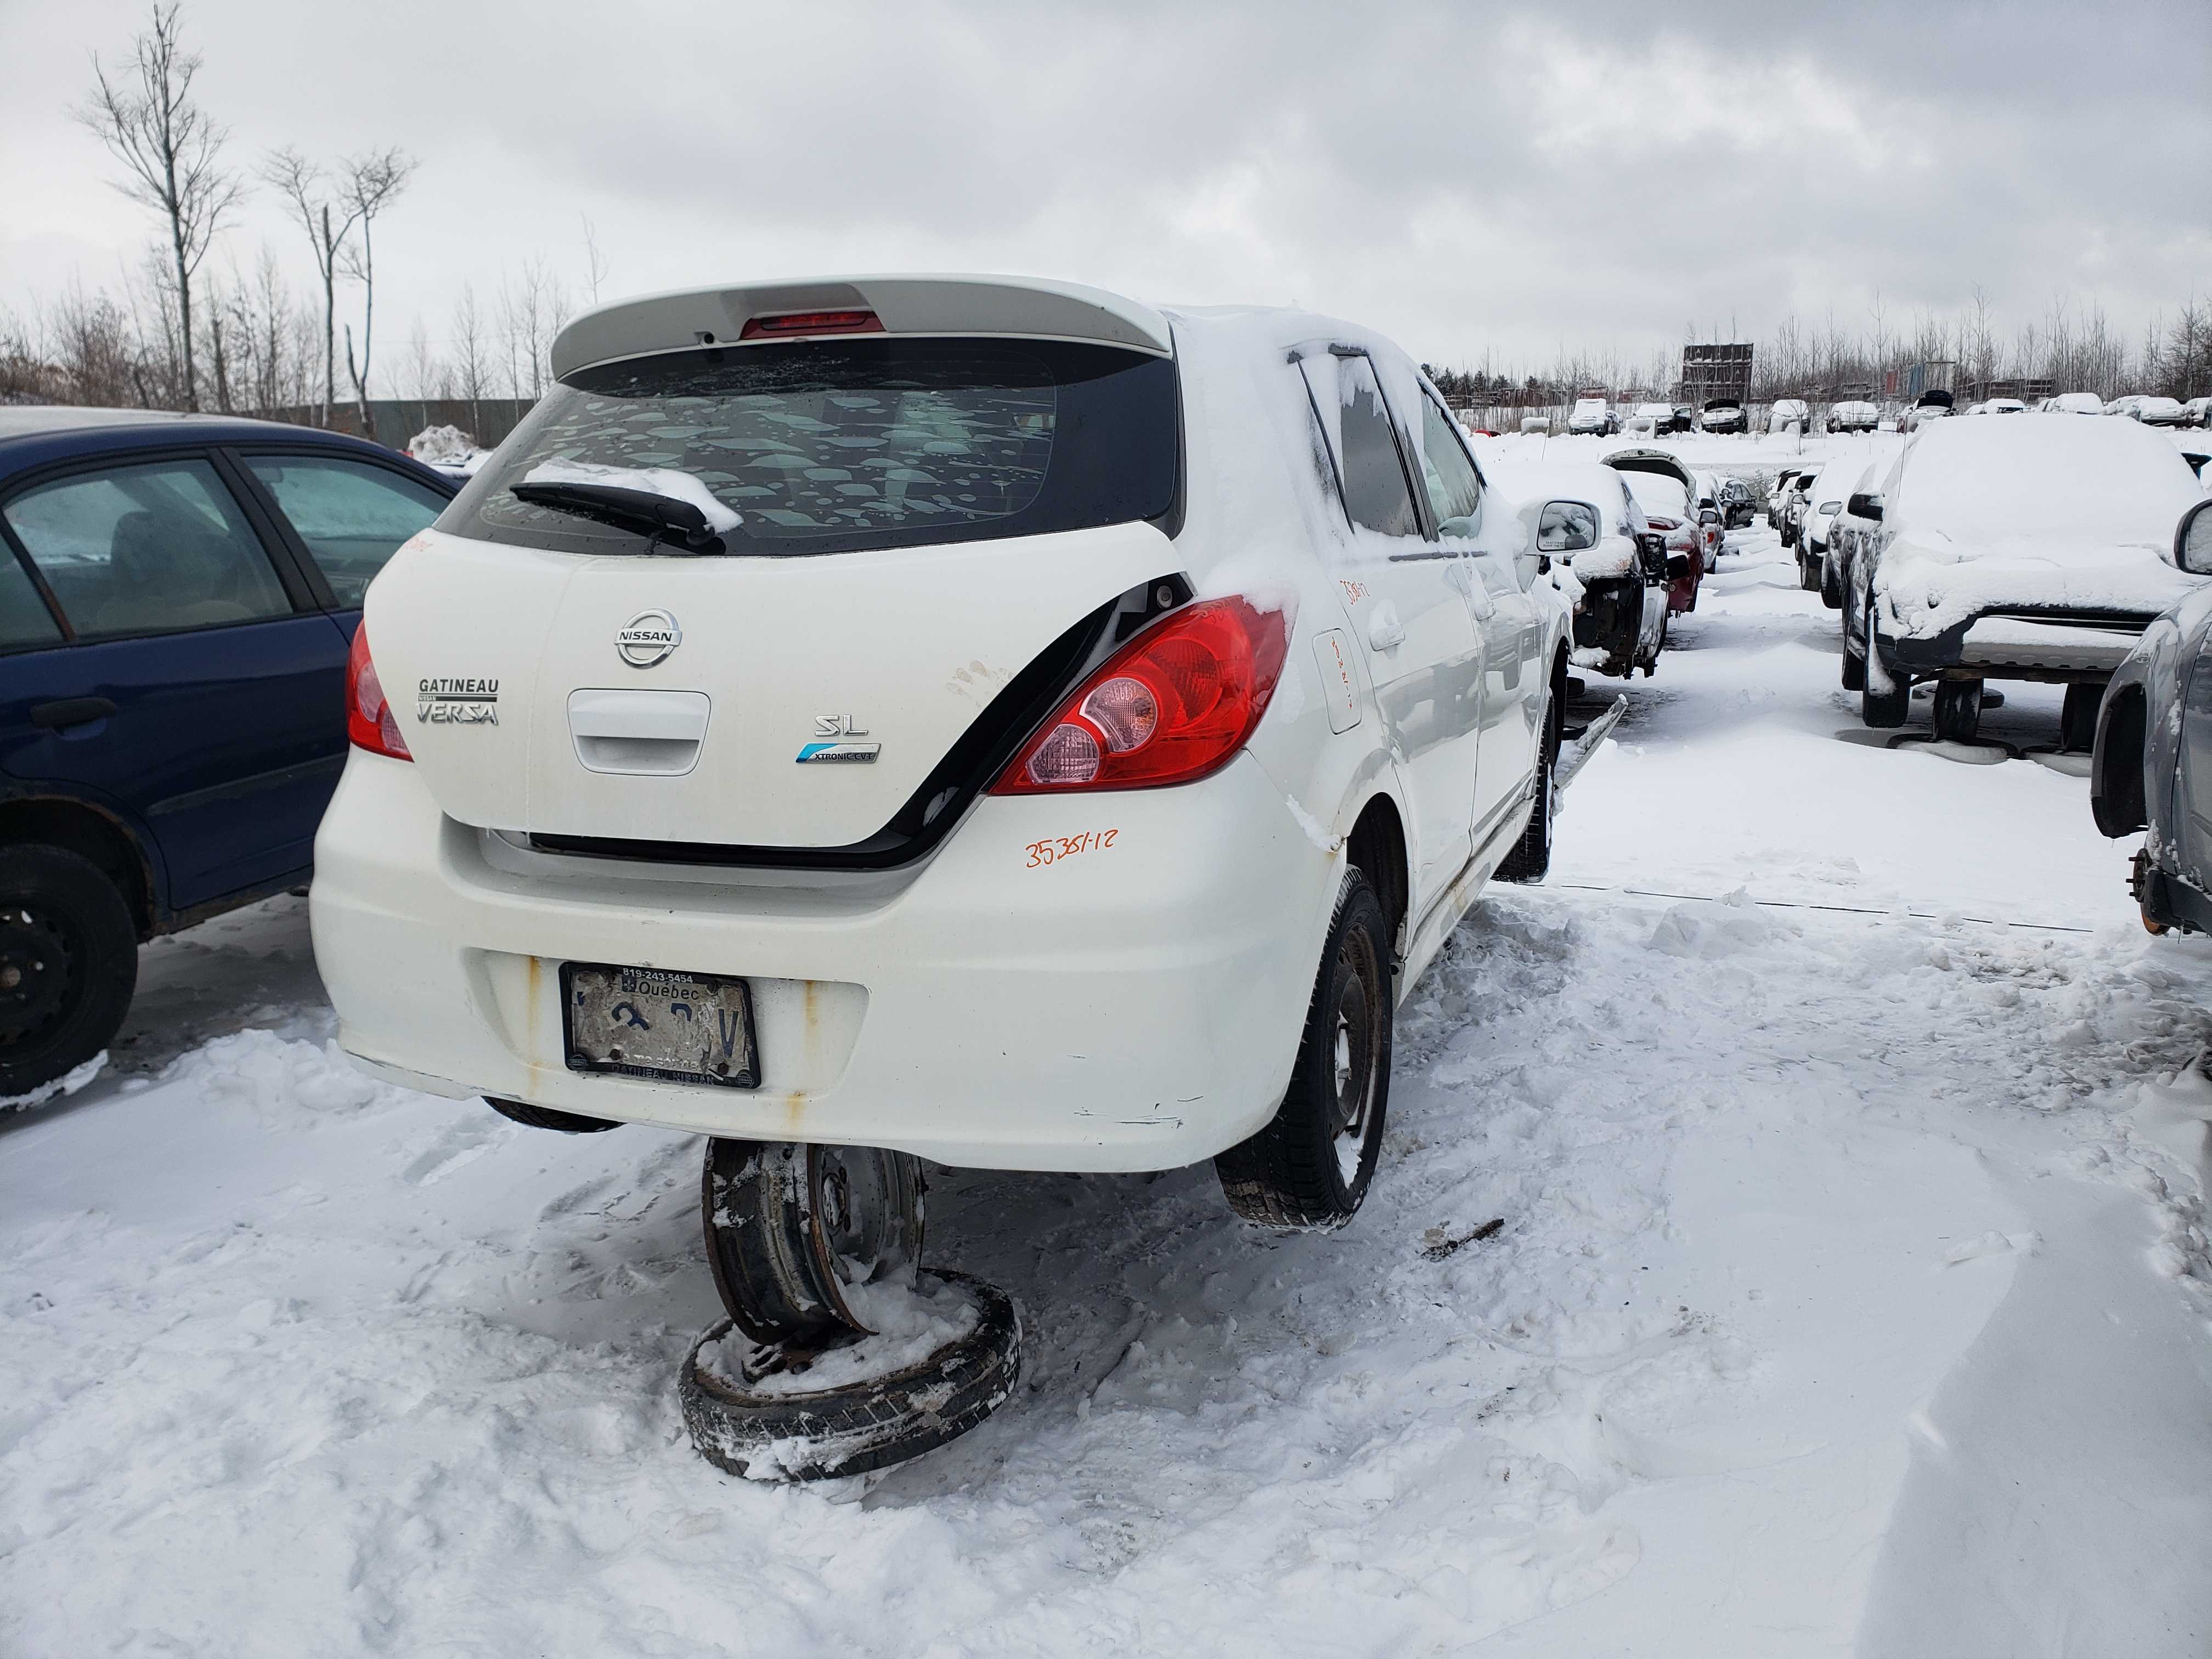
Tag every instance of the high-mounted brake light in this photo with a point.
(1171, 706)
(796, 325)
(370, 723)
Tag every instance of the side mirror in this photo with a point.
(1708, 515)
(2193, 542)
(1864, 506)
(1566, 527)
(1678, 567)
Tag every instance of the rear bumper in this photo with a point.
(1130, 1006)
(2016, 647)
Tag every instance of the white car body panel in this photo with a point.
(1134, 1004)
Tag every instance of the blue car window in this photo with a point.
(153, 549)
(352, 516)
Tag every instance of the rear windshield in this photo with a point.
(833, 445)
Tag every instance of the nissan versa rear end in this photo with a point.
(978, 719)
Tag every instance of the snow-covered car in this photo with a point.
(1777, 493)
(2000, 406)
(1823, 499)
(1667, 492)
(1790, 414)
(1535, 424)
(1847, 531)
(1793, 506)
(1583, 516)
(1685, 418)
(2160, 411)
(1650, 420)
(2197, 411)
(1930, 406)
(1712, 523)
(2128, 406)
(2075, 403)
(977, 719)
(2152, 763)
(1736, 506)
(2013, 549)
(1721, 415)
(1592, 415)
(1854, 415)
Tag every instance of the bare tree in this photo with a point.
(472, 368)
(150, 121)
(595, 262)
(370, 184)
(309, 194)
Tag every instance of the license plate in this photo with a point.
(650, 1022)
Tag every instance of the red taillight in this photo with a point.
(792, 324)
(370, 723)
(1170, 706)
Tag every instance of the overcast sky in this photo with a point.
(1469, 179)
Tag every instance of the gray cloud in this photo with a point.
(1470, 179)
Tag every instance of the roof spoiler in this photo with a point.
(1019, 307)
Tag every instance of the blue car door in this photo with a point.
(199, 693)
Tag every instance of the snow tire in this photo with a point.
(1854, 669)
(1957, 717)
(2077, 719)
(67, 937)
(1832, 591)
(863, 1425)
(1884, 709)
(1289, 1176)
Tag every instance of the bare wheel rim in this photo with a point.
(1352, 1054)
(865, 1205)
(38, 974)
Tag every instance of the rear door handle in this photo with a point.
(65, 712)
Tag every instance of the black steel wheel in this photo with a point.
(1311, 1165)
(789, 1226)
(68, 962)
(2077, 719)
(1958, 712)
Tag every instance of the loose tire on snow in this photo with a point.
(863, 1425)
(1310, 1167)
(1958, 712)
(68, 962)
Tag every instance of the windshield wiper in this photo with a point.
(660, 517)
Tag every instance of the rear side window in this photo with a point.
(156, 549)
(833, 445)
(1357, 423)
(352, 516)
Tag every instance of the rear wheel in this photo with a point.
(68, 962)
(1854, 669)
(2077, 718)
(1958, 714)
(1831, 591)
(1311, 1166)
(1809, 574)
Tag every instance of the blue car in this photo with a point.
(178, 595)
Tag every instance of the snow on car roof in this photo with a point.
(1572, 481)
(2094, 483)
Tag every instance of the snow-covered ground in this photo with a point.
(1851, 1294)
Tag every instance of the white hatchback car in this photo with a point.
(974, 719)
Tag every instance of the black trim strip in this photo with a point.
(254, 784)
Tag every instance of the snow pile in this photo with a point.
(910, 1322)
(1851, 1296)
(443, 446)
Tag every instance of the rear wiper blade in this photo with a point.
(660, 517)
